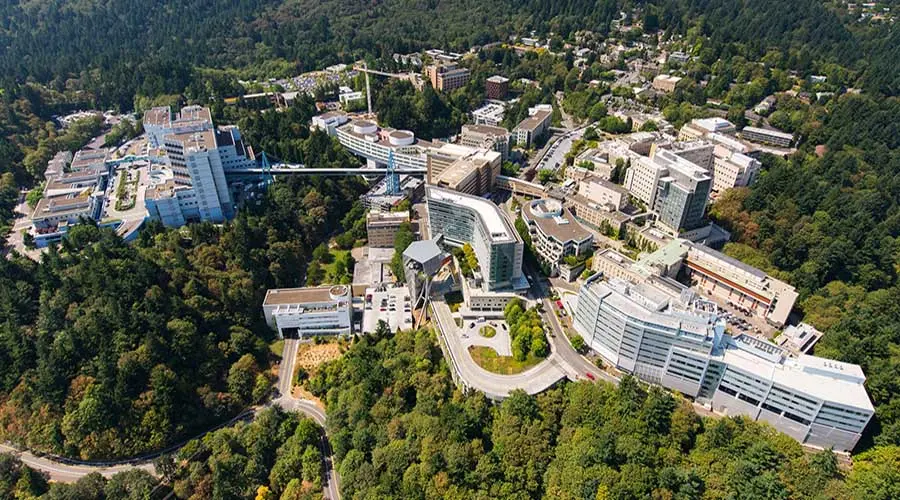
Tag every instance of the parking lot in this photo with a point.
(388, 303)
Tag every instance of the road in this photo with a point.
(67, 473)
(533, 381)
(287, 401)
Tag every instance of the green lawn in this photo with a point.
(331, 274)
(488, 359)
(277, 347)
(487, 331)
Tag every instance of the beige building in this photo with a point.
(447, 77)
(382, 227)
(666, 83)
(603, 192)
(464, 169)
(486, 137)
(595, 214)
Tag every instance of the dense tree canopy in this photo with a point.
(400, 429)
(109, 349)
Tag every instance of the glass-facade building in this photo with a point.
(462, 219)
(673, 338)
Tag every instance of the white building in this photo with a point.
(198, 156)
(489, 114)
(666, 335)
(330, 121)
(366, 139)
(461, 218)
(307, 312)
(533, 127)
(555, 233)
(767, 136)
(700, 127)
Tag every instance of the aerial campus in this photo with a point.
(544, 249)
(678, 313)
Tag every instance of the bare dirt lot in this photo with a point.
(310, 356)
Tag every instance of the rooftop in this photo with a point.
(650, 302)
(494, 221)
(284, 296)
(555, 220)
(484, 129)
(498, 79)
(535, 120)
(386, 218)
(203, 140)
(160, 117)
(422, 251)
(705, 251)
(820, 378)
(768, 131)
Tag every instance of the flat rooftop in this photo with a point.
(613, 214)
(484, 129)
(494, 221)
(562, 227)
(202, 140)
(534, 121)
(820, 378)
(768, 131)
(286, 296)
(160, 117)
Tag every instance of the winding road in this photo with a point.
(288, 402)
(68, 472)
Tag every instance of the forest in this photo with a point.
(400, 429)
(113, 350)
(277, 455)
(830, 225)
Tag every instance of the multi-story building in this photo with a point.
(603, 192)
(642, 179)
(731, 169)
(596, 215)
(666, 335)
(496, 87)
(681, 194)
(307, 312)
(745, 286)
(533, 127)
(447, 77)
(74, 191)
(486, 137)
(197, 165)
(490, 114)
(462, 168)
(330, 121)
(555, 233)
(767, 136)
(701, 127)
(198, 156)
(666, 83)
(460, 218)
(159, 122)
(382, 227)
(364, 138)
